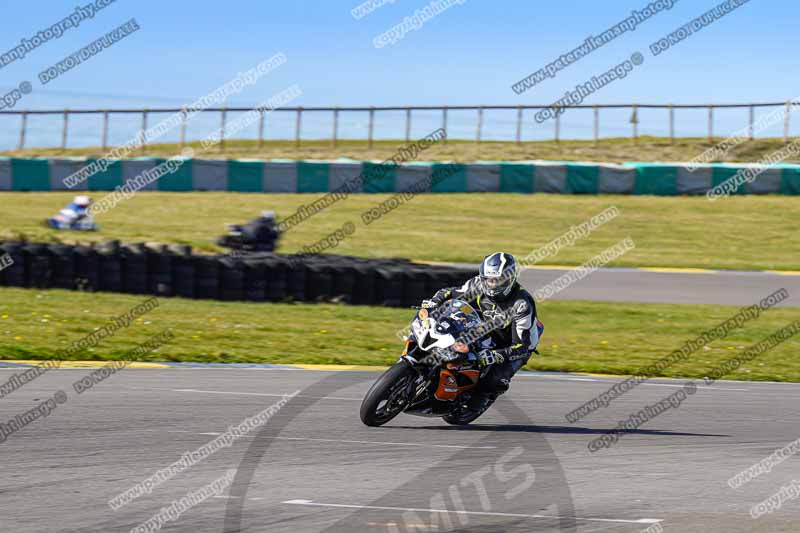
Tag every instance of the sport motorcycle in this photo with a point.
(437, 373)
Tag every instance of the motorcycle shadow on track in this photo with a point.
(569, 430)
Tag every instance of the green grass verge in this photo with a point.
(605, 150)
(613, 338)
(743, 232)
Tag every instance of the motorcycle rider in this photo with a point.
(510, 310)
(76, 216)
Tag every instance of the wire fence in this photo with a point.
(661, 117)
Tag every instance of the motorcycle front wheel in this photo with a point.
(386, 398)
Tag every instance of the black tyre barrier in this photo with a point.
(455, 278)
(389, 286)
(183, 275)
(345, 282)
(364, 293)
(206, 277)
(435, 279)
(110, 269)
(134, 269)
(232, 273)
(37, 266)
(277, 276)
(256, 277)
(87, 268)
(255, 280)
(319, 282)
(13, 275)
(414, 290)
(296, 282)
(63, 264)
(159, 269)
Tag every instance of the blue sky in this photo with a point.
(470, 54)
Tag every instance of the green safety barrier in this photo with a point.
(346, 175)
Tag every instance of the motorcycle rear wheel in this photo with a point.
(381, 403)
(466, 416)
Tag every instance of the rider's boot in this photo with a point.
(482, 400)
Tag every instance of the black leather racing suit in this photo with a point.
(515, 339)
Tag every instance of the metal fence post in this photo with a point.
(64, 130)
(480, 125)
(408, 124)
(261, 128)
(596, 124)
(519, 124)
(222, 125)
(371, 126)
(297, 126)
(444, 124)
(104, 141)
(751, 123)
(786, 122)
(22, 129)
(335, 127)
(143, 133)
(671, 124)
(635, 122)
(711, 123)
(184, 119)
(558, 126)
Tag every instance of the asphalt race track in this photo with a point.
(664, 285)
(314, 467)
(635, 285)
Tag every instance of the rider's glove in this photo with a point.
(429, 304)
(490, 357)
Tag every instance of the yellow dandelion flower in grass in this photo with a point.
(195, 336)
(34, 313)
(4, 316)
(555, 345)
(17, 338)
(603, 342)
(46, 316)
(323, 331)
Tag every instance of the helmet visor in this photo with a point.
(496, 284)
(493, 283)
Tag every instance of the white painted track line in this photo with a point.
(478, 513)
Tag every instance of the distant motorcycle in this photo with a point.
(437, 372)
(76, 216)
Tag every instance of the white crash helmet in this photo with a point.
(82, 201)
(498, 274)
